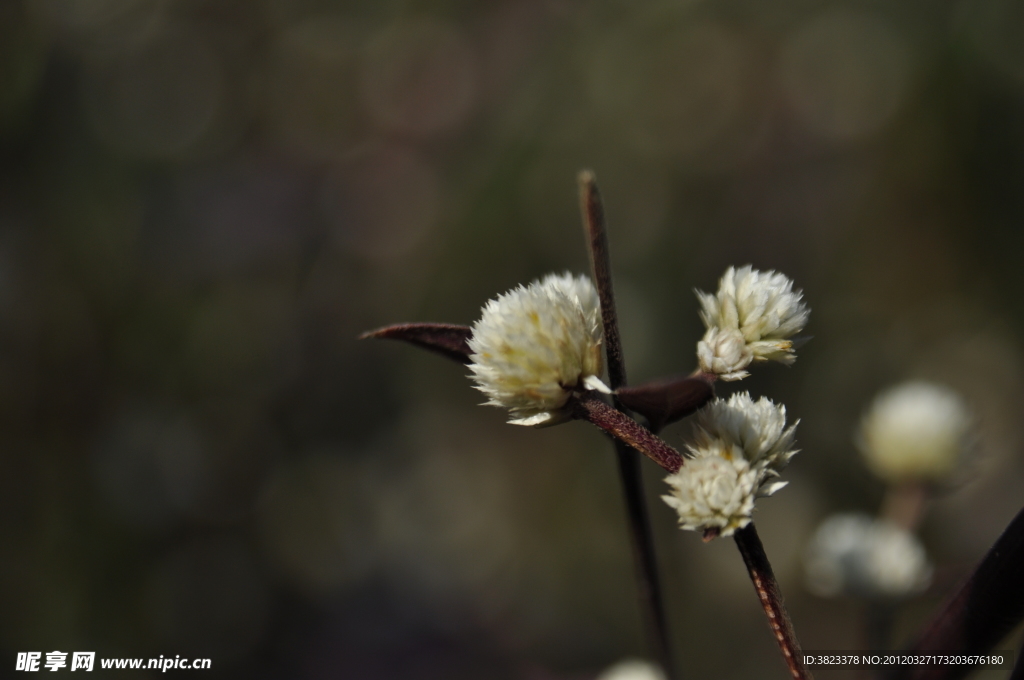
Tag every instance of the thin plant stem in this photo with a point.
(630, 471)
(624, 429)
(760, 570)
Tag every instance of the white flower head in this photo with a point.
(915, 430)
(740, 448)
(632, 669)
(751, 318)
(756, 428)
(853, 554)
(535, 344)
(713, 492)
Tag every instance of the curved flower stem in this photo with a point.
(630, 472)
(768, 592)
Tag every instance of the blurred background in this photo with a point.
(203, 203)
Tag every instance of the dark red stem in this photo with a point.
(768, 593)
(626, 430)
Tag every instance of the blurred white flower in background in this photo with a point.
(853, 554)
(740, 448)
(915, 430)
(535, 344)
(632, 669)
(751, 318)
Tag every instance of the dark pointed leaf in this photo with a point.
(666, 401)
(445, 339)
(985, 609)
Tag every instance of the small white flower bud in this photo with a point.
(740, 448)
(535, 344)
(916, 430)
(852, 554)
(725, 353)
(759, 308)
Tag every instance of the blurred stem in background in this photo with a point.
(904, 505)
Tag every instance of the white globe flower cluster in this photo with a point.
(915, 430)
(740, 448)
(535, 344)
(855, 555)
(751, 318)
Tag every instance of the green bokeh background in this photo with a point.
(203, 203)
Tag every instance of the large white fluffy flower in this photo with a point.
(853, 554)
(915, 430)
(740, 448)
(535, 344)
(751, 318)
